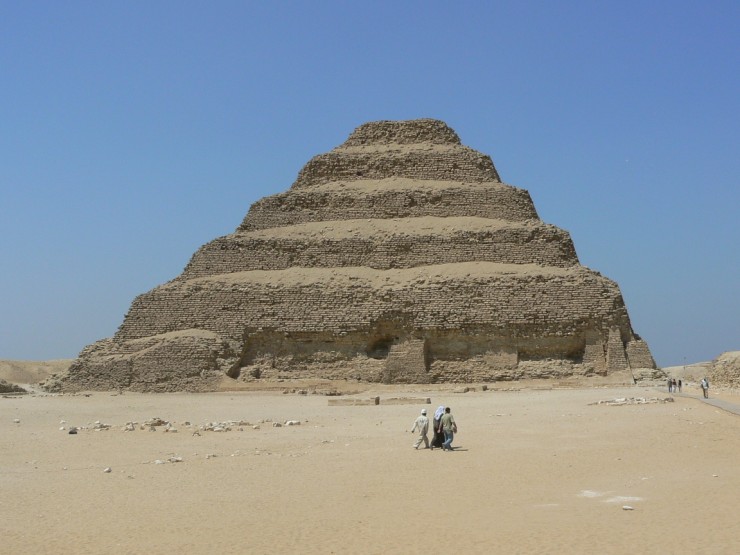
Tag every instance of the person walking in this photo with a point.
(438, 438)
(422, 425)
(449, 427)
(704, 384)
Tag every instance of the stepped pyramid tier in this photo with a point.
(397, 257)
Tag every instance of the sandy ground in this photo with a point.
(535, 471)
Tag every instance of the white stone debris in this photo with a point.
(225, 426)
(107, 470)
(634, 401)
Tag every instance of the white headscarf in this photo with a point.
(439, 412)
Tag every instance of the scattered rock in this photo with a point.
(634, 401)
(7, 387)
(107, 470)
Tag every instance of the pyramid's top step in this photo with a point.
(429, 131)
(423, 149)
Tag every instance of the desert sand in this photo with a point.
(534, 471)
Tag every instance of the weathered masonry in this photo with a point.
(399, 256)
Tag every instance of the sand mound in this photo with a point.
(31, 371)
(690, 372)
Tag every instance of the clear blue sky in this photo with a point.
(131, 133)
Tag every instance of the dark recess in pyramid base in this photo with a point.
(398, 257)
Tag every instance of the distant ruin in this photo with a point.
(725, 370)
(397, 257)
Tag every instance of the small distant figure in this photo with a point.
(449, 427)
(439, 438)
(704, 384)
(422, 425)
(670, 385)
(675, 385)
(680, 383)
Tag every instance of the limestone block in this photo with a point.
(350, 402)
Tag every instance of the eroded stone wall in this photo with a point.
(349, 246)
(383, 133)
(387, 199)
(725, 370)
(433, 163)
(296, 300)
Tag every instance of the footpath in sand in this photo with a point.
(535, 471)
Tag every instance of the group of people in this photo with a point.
(444, 428)
(674, 386)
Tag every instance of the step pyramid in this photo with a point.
(397, 257)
